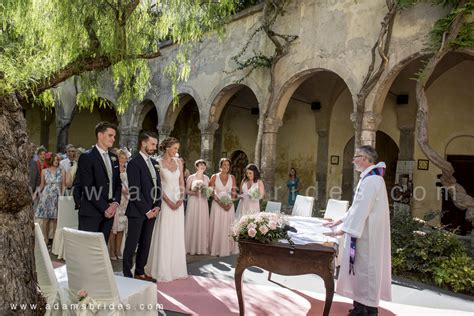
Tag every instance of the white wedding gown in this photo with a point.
(167, 257)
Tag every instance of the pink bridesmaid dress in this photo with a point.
(197, 220)
(222, 243)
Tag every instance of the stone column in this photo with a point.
(207, 142)
(268, 156)
(62, 133)
(321, 168)
(407, 143)
(164, 130)
(129, 137)
(370, 124)
(46, 117)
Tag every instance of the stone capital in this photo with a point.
(353, 119)
(208, 128)
(164, 129)
(271, 125)
(130, 130)
(371, 121)
(407, 130)
(322, 132)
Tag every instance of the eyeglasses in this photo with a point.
(357, 156)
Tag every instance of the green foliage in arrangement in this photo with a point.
(429, 254)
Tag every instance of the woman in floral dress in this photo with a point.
(51, 187)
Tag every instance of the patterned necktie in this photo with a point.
(152, 171)
(108, 166)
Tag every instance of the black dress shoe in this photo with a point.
(358, 310)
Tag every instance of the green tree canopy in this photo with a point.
(44, 42)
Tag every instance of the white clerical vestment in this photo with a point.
(368, 220)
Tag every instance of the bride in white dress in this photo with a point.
(167, 257)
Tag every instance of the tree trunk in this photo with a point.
(460, 198)
(17, 265)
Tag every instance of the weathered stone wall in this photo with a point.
(335, 36)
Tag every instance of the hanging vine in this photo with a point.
(272, 9)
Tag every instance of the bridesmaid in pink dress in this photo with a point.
(222, 216)
(248, 204)
(197, 213)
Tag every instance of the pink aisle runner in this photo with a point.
(205, 296)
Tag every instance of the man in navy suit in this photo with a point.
(99, 182)
(144, 204)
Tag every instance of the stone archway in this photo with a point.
(186, 130)
(81, 130)
(237, 121)
(387, 150)
(149, 122)
(303, 139)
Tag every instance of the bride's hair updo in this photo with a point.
(168, 142)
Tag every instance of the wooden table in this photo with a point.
(280, 258)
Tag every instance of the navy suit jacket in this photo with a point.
(141, 187)
(94, 183)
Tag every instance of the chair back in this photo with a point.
(303, 206)
(67, 217)
(44, 267)
(273, 207)
(336, 209)
(88, 265)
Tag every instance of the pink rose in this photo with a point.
(82, 294)
(273, 225)
(251, 226)
(263, 229)
(236, 230)
(252, 232)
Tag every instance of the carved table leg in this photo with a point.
(329, 285)
(239, 271)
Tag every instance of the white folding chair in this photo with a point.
(67, 217)
(273, 207)
(335, 209)
(303, 206)
(89, 269)
(49, 279)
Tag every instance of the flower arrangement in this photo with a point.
(225, 199)
(263, 227)
(197, 185)
(254, 193)
(207, 192)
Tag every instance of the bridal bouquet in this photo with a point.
(207, 192)
(225, 199)
(254, 193)
(197, 185)
(263, 227)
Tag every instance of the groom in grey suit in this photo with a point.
(144, 204)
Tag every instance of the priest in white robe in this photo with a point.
(365, 272)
